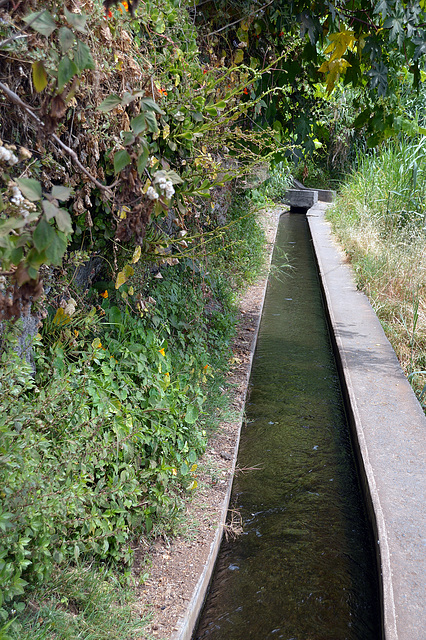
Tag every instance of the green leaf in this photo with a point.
(379, 78)
(174, 177)
(121, 279)
(66, 38)
(151, 121)
(138, 124)
(127, 137)
(55, 251)
(77, 20)
(148, 524)
(6, 226)
(30, 188)
(362, 118)
(184, 469)
(148, 104)
(127, 98)
(50, 209)
(39, 76)
(374, 140)
(381, 7)
(34, 259)
(17, 255)
(109, 103)
(43, 23)
(191, 414)
(143, 159)
(197, 116)
(121, 160)
(83, 57)
(63, 220)
(67, 69)
(212, 111)
(43, 235)
(61, 193)
(128, 271)
(239, 56)
(160, 26)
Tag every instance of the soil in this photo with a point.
(175, 565)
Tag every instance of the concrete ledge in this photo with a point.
(390, 433)
(324, 195)
(301, 199)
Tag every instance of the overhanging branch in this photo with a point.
(13, 97)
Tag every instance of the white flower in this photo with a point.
(169, 190)
(17, 197)
(152, 194)
(7, 156)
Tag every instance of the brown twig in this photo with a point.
(13, 97)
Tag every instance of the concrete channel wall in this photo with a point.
(389, 429)
(390, 434)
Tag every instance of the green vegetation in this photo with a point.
(81, 602)
(101, 443)
(380, 218)
(125, 129)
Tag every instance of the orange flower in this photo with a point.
(245, 91)
(162, 92)
(104, 294)
(125, 5)
(163, 353)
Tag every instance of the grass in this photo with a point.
(379, 216)
(80, 602)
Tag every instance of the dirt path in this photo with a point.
(178, 564)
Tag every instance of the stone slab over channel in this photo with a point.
(390, 429)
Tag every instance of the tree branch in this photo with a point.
(13, 97)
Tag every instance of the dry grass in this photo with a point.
(386, 244)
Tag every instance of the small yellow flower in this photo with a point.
(163, 353)
(76, 333)
(104, 294)
(174, 471)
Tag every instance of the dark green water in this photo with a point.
(305, 567)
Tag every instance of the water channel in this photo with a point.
(304, 567)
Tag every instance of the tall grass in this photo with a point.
(380, 218)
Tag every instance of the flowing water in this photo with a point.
(304, 567)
